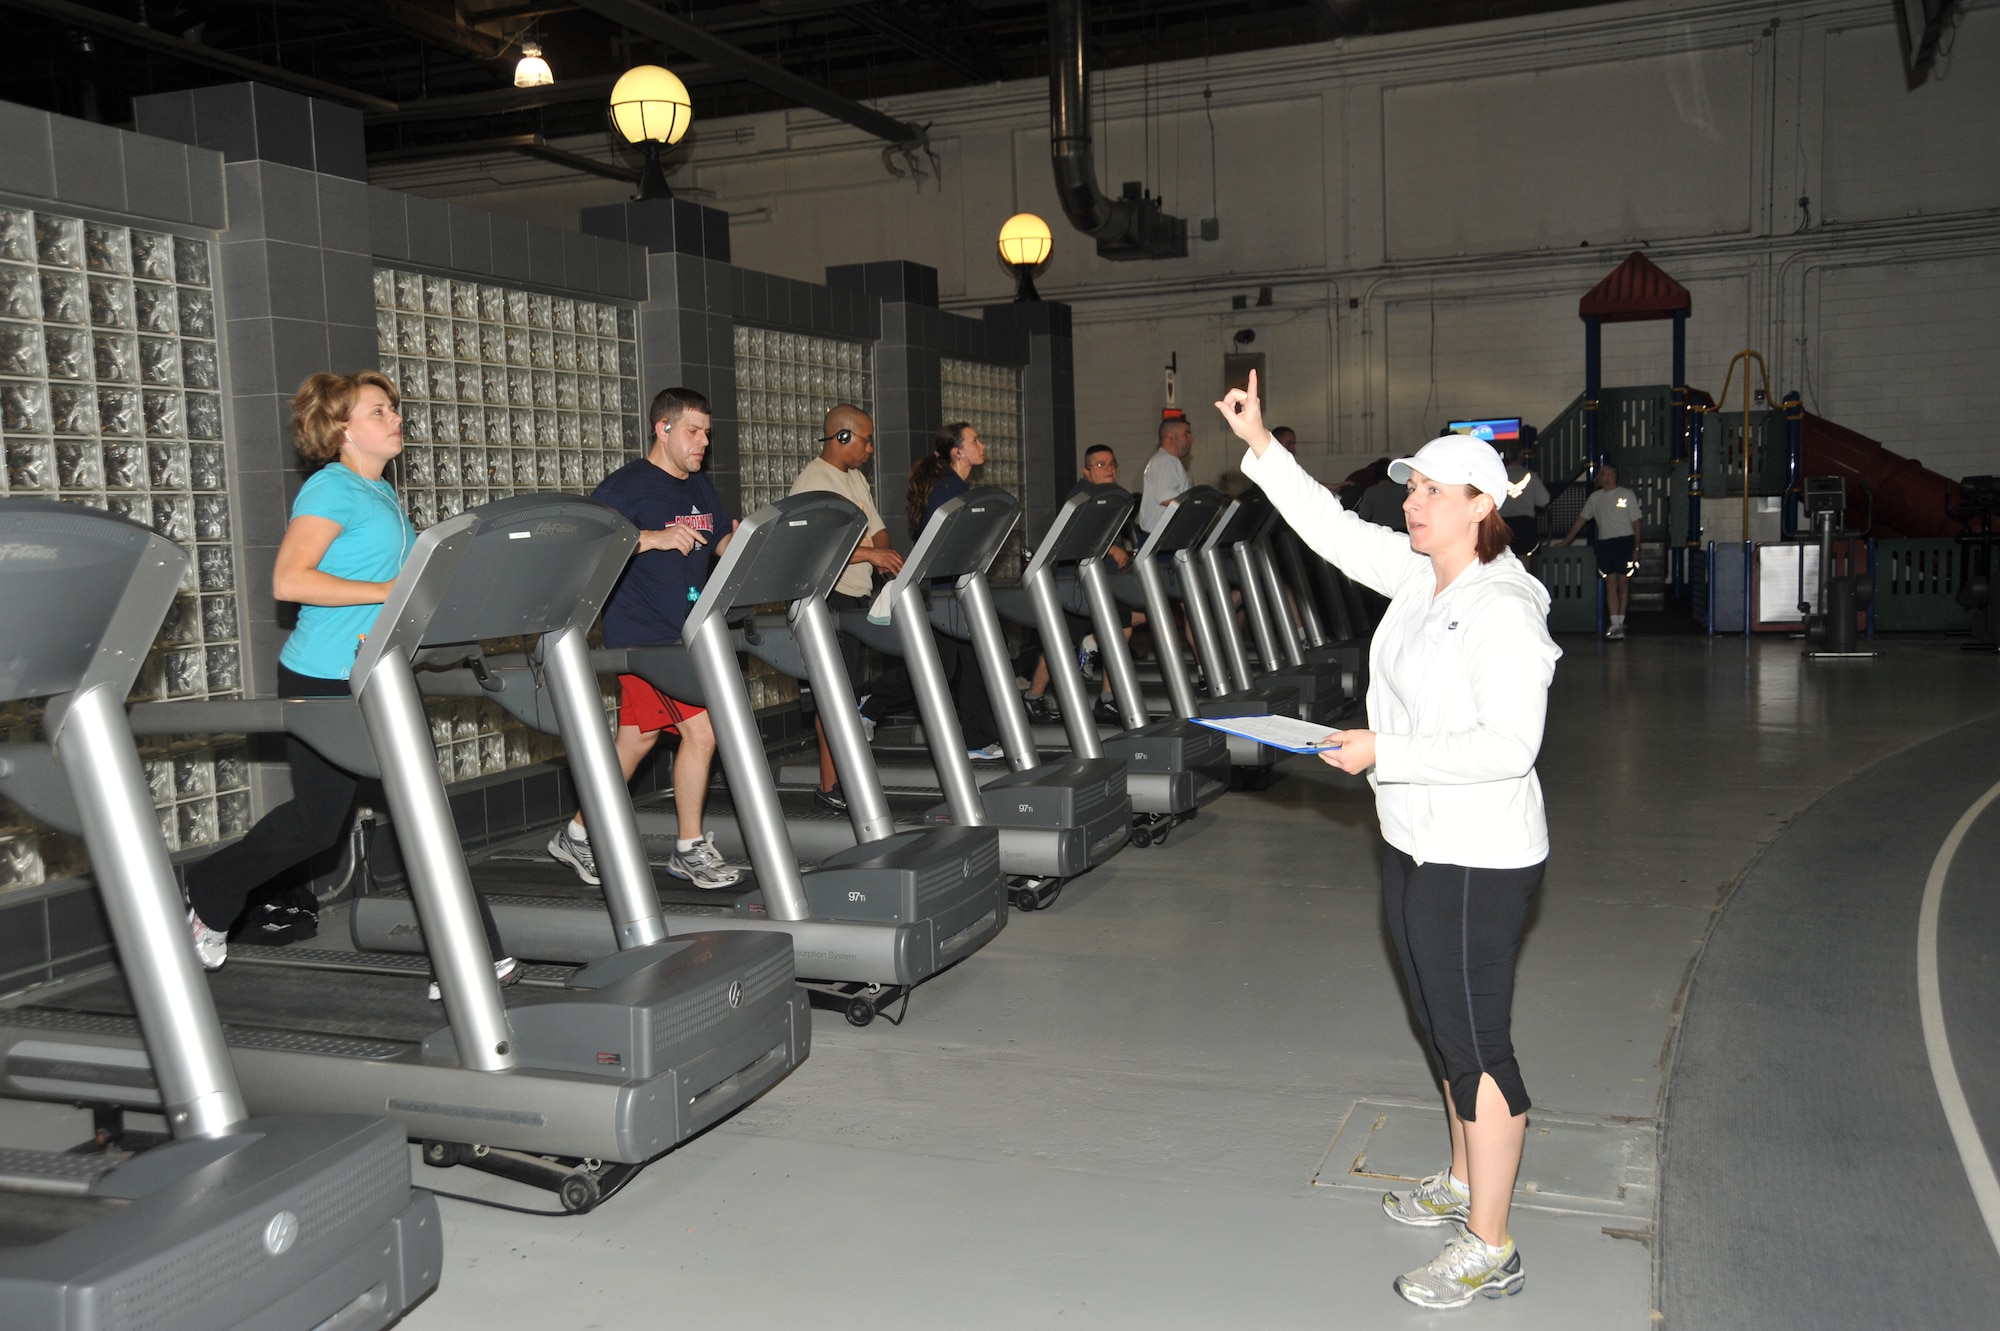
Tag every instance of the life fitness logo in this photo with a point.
(736, 993)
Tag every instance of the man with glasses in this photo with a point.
(1100, 469)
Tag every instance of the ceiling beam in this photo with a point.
(425, 25)
(935, 44)
(686, 37)
(528, 145)
(136, 34)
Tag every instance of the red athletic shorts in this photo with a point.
(642, 705)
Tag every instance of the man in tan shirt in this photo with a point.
(847, 442)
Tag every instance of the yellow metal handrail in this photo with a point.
(1745, 357)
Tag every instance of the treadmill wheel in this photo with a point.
(1142, 837)
(860, 1012)
(579, 1192)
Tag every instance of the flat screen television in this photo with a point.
(1493, 429)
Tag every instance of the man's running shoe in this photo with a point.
(506, 970)
(1465, 1269)
(703, 865)
(1042, 709)
(831, 801)
(566, 848)
(211, 946)
(990, 752)
(1106, 712)
(1435, 1201)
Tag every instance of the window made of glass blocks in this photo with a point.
(504, 392)
(989, 397)
(110, 396)
(785, 385)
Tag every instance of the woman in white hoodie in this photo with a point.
(1459, 674)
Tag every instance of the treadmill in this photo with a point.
(883, 907)
(1146, 583)
(570, 1080)
(1282, 564)
(295, 1220)
(1245, 522)
(1173, 767)
(1057, 819)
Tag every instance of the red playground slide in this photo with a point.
(1909, 499)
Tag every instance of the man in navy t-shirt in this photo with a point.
(683, 529)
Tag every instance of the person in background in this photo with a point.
(683, 529)
(1458, 689)
(340, 555)
(940, 476)
(1526, 497)
(1166, 477)
(1287, 436)
(1615, 510)
(1100, 468)
(1382, 503)
(847, 441)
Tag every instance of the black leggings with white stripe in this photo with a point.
(1457, 933)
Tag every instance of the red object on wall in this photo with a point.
(1636, 289)
(1910, 499)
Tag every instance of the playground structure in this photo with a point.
(1678, 448)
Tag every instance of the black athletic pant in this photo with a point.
(313, 821)
(1458, 933)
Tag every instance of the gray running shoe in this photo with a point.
(1465, 1269)
(211, 946)
(704, 866)
(1042, 709)
(506, 970)
(566, 849)
(1432, 1202)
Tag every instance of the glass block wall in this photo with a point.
(989, 396)
(110, 395)
(785, 385)
(504, 392)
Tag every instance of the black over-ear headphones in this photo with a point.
(841, 437)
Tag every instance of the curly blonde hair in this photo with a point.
(322, 405)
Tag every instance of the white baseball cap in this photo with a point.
(1457, 459)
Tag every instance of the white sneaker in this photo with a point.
(992, 750)
(211, 946)
(506, 971)
(703, 865)
(564, 848)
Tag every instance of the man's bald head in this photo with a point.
(853, 452)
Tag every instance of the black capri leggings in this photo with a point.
(1457, 933)
(313, 821)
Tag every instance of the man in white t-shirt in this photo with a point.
(1166, 476)
(846, 444)
(1615, 510)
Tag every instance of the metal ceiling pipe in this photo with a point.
(1124, 228)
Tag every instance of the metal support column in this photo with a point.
(840, 718)
(750, 786)
(976, 599)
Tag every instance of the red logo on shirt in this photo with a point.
(699, 521)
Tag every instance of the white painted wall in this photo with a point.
(1428, 208)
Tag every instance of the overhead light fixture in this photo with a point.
(532, 71)
(651, 110)
(1025, 244)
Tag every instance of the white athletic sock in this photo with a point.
(684, 845)
(577, 832)
(1618, 621)
(1458, 1185)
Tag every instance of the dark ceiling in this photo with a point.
(448, 67)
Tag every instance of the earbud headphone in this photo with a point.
(841, 437)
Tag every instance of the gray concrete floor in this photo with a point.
(1173, 1099)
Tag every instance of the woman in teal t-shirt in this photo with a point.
(346, 542)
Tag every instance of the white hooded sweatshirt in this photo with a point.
(1458, 683)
